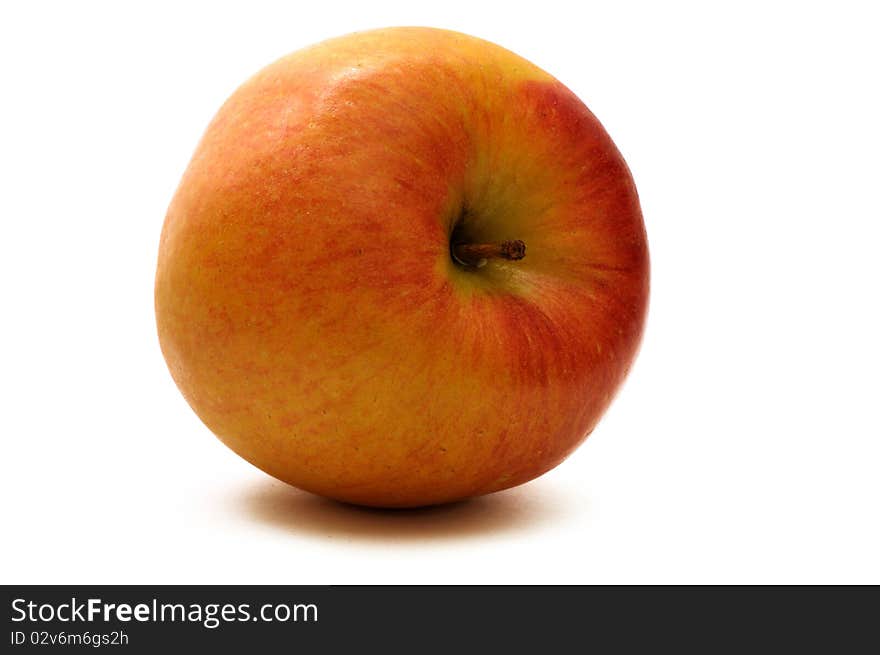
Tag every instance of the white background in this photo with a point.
(744, 447)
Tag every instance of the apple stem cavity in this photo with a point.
(476, 255)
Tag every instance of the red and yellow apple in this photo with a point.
(341, 293)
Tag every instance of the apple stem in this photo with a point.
(477, 254)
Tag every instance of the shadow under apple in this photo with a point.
(288, 509)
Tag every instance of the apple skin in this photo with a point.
(306, 301)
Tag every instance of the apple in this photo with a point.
(404, 267)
